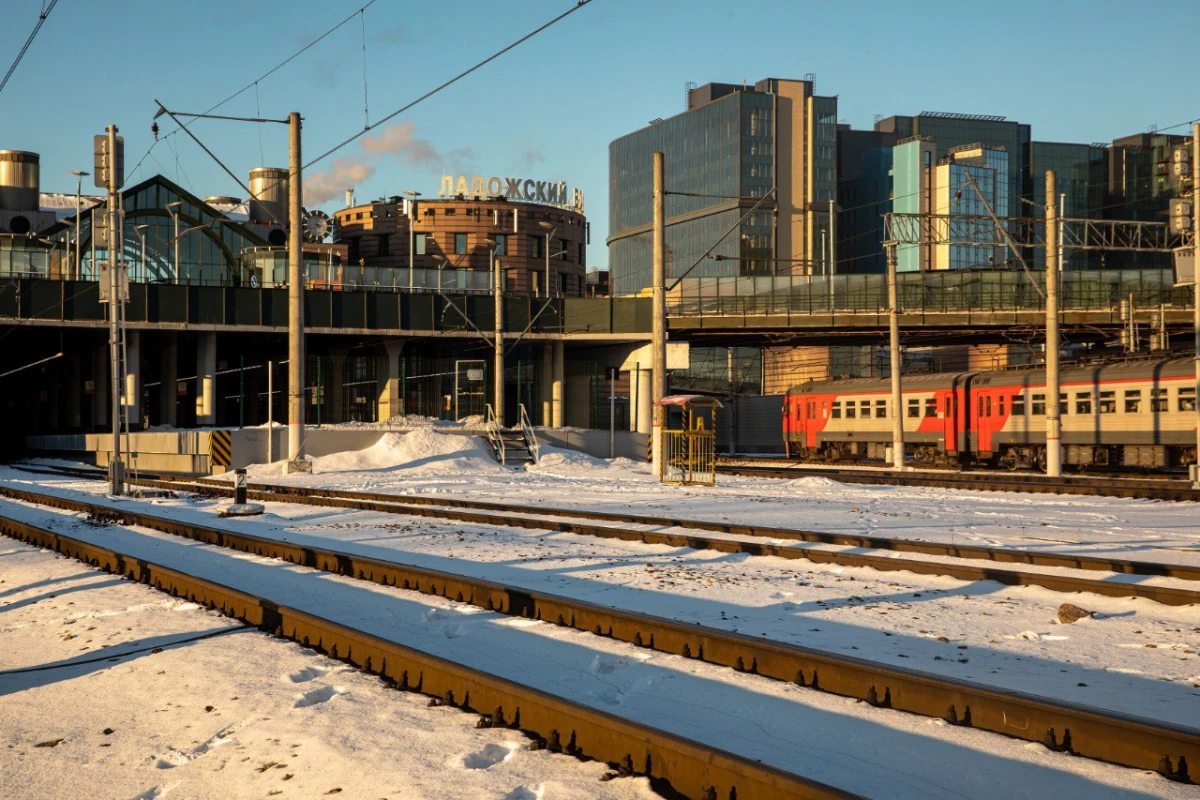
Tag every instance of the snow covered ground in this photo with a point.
(122, 697)
(1134, 655)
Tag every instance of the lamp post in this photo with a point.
(440, 262)
(140, 231)
(175, 239)
(550, 231)
(412, 235)
(179, 235)
(79, 176)
(492, 245)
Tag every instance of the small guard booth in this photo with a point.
(689, 439)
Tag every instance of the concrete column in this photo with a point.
(74, 392)
(547, 383)
(557, 377)
(131, 400)
(391, 402)
(100, 387)
(645, 400)
(206, 379)
(168, 397)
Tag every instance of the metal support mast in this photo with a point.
(1196, 283)
(1053, 409)
(658, 380)
(896, 363)
(498, 330)
(116, 471)
(296, 462)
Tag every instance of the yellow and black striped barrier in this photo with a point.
(220, 448)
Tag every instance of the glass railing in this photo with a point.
(948, 291)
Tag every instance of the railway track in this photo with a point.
(1104, 735)
(1007, 561)
(1135, 488)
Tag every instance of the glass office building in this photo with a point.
(722, 155)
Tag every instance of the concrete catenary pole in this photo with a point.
(296, 461)
(1196, 282)
(658, 380)
(1053, 411)
(498, 357)
(894, 352)
(114, 246)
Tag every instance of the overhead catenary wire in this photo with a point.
(46, 9)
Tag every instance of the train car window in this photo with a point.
(1187, 398)
(1018, 405)
(1108, 402)
(1083, 402)
(864, 409)
(988, 405)
(914, 409)
(1038, 405)
(1064, 407)
(931, 407)
(1133, 401)
(981, 406)
(850, 409)
(1158, 399)
(837, 411)
(880, 409)
(1000, 405)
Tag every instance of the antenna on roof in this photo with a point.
(688, 88)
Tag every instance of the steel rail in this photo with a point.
(1093, 733)
(1147, 489)
(690, 768)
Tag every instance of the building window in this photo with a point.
(914, 409)
(564, 281)
(1108, 402)
(352, 250)
(450, 212)
(501, 240)
(1158, 400)
(1133, 401)
(1083, 403)
(564, 251)
(1187, 399)
(422, 240)
(582, 252)
(385, 244)
(880, 409)
(535, 246)
(460, 244)
(1038, 405)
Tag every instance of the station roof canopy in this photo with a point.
(690, 400)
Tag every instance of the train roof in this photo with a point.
(1143, 369)
(923, 382)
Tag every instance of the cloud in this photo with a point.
(346, 173)
(397, 34)
(400, 141)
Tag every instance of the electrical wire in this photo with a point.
(41, 19)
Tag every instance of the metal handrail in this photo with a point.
(494, 435)
(531, 440)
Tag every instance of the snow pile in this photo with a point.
(415, 421)
(814, 482)
(561, 462)
(422, 450)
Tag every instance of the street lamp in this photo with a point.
(79, 176)
(175, 216)
(139, 230)
(492, 246)
(440, 262)
(179, 235)
(550, 231)
(412, 235)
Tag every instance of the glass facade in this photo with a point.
(956, 194)
(714, 154)
(1076, 169)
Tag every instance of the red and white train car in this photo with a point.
(1136, 413)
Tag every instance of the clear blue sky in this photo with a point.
(1077, 70)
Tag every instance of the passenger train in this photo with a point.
(1131, 413)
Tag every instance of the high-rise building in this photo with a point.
(732, 145)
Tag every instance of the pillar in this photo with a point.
(546, 385)
(100, 387)
(391, 400)
(131, 399)
(557, 376)
(206, 379)
(168, 396)
(645, 400)
(74, 390)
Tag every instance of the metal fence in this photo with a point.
(689, 457)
